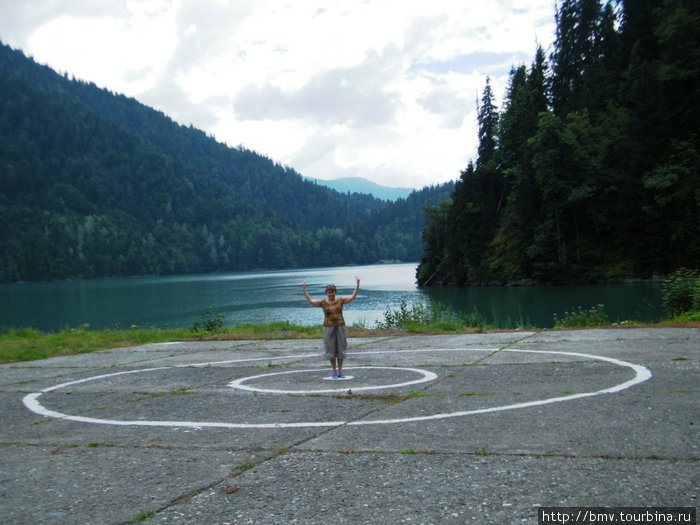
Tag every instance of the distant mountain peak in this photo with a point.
(360, 185)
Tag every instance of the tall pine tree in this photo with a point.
(592, 168)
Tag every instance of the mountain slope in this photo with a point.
(94, 184)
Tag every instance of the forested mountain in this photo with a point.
(591, 169)
(94, 184)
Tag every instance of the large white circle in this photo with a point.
(31, 401)
(238, 383)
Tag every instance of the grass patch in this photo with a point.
(149, 394)
(28, 344)
(417, 393)
(143, 516)
(389, 398)
(181, 392)
(477, 394)
(683, 319)
(274, 330)
(270, 364)
(247, 465)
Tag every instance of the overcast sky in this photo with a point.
(380, 89)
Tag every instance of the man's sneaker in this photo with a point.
(335, 376)
(341, 376)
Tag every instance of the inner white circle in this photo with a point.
(426, 376)
(31, 401)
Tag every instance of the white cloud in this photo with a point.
(118, 53)
(383, 89)
(353, 95)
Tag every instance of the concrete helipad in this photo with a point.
(479, 428)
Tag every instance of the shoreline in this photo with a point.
(28, 344)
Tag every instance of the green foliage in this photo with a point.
(277, 330)
(428, 315)
(680, 293)
(28, 344)
(591, 168)
(688, 317)
(405, 316)
(209, 322)
(97, 185)
(579, 317)
(473, 319)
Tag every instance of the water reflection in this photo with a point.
(261, 297)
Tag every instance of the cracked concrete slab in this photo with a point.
(479, 428)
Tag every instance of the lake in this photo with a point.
(261, 297)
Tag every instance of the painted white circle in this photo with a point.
(31, 401)
(238, 383)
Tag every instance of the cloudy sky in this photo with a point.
(380, 89)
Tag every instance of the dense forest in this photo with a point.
(95, 184)
(590, 170)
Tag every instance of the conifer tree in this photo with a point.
(593, 169)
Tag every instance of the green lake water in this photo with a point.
(261, 297)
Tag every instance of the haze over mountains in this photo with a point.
(360, 185)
